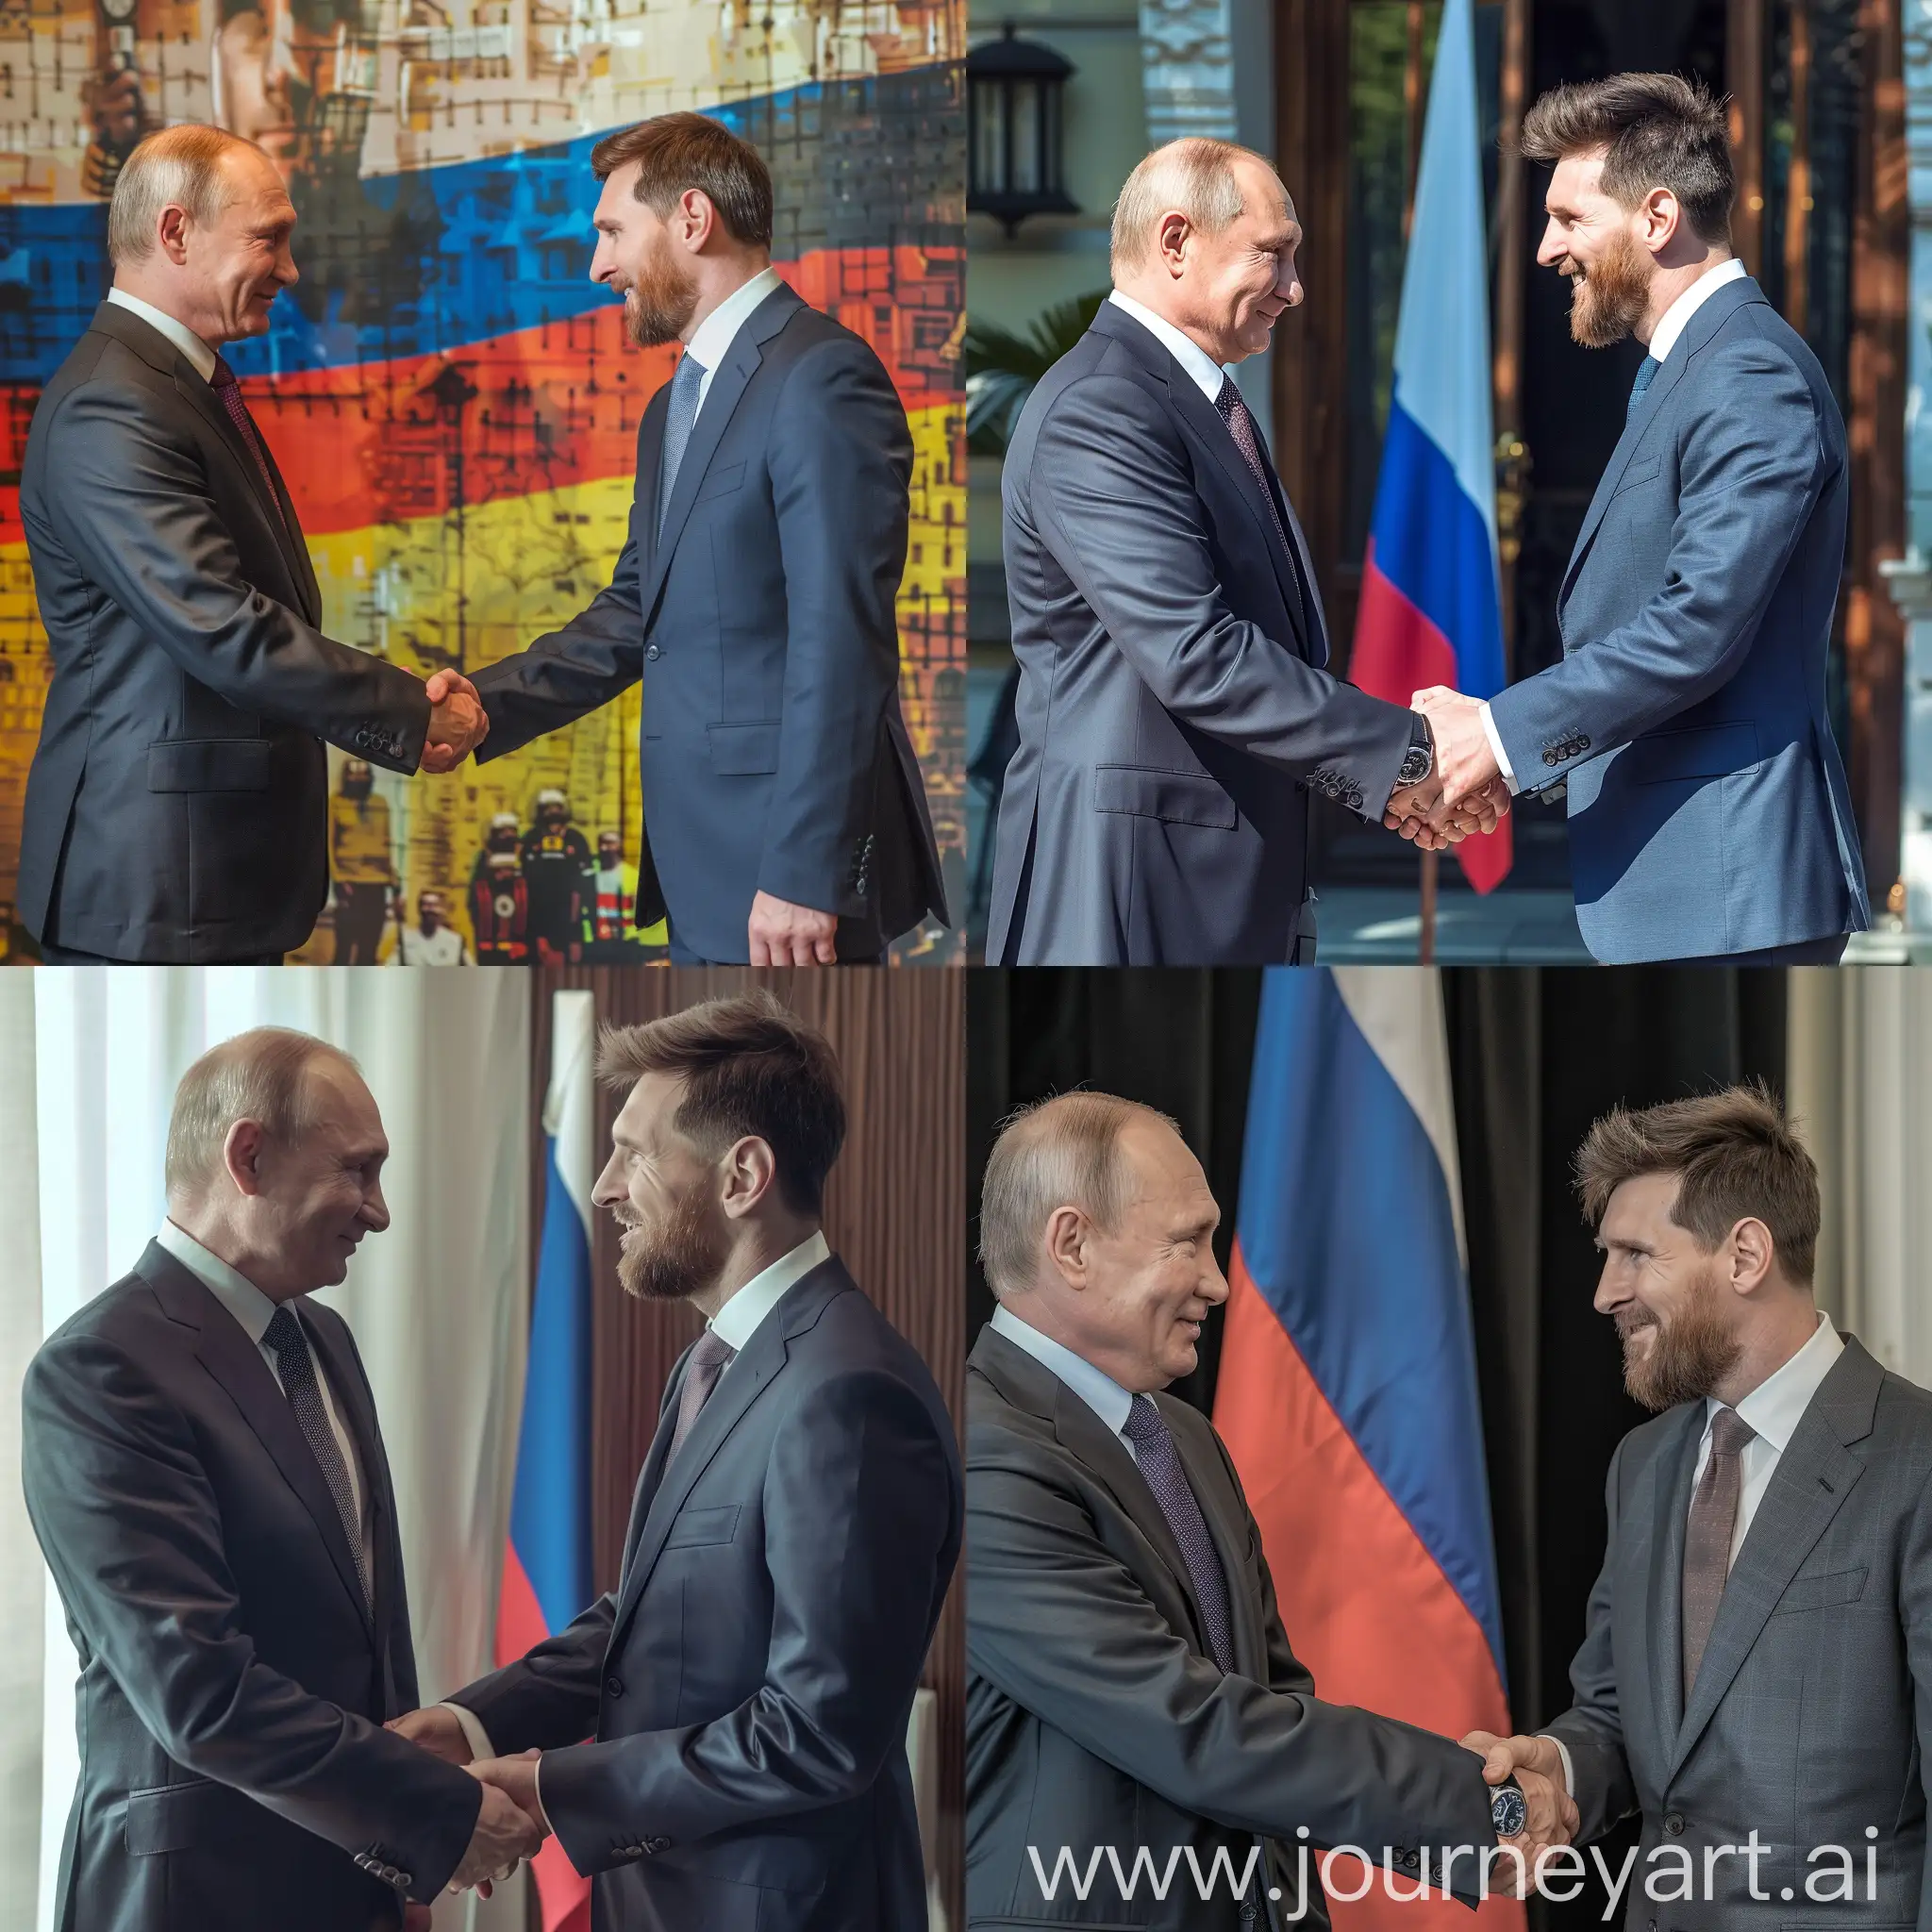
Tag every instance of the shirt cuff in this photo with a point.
(1502, 757)
(1569, 1769)
(475, 1736)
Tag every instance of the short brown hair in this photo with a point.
(750, 1066)
(177, 166)
(259, 1076)
(1660, 131)
(1734, 1155)
(679, 151)
(1063, 1152)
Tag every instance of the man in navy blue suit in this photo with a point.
(1710, 817)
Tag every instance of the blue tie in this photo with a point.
(1646, 371)
(297, 1365)
(678, 419)
(1161, 1463)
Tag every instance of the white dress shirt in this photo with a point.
(719, 330)
(201, 359)
(1774, 1410)
(735, 1324)
(1663, 338)
(1207, 373)
(255, 1312)
(1095, 1387)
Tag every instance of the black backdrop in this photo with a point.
(1535, 1057)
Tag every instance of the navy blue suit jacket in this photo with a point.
(1709, 809)
(774, 757)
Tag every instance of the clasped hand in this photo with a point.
(1552, 1818)
(510, 1825)
(1466, 792)
(457, 723)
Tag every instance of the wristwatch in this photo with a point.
(1509, 1809)
(1420, 759)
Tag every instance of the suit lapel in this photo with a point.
(359, 1417)
(1229, 1533)
(1670, 1476)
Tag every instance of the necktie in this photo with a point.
(709, 1359)
(1241, 426)
(1161, 1463)
(1647, 373)
(1707, 1538)
(225, 385)
(297, 1365)
(682, 413)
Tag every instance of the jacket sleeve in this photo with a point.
(131, 1529)
(840, 464)
(1591, 1730)
(1059, 1624)
(1114, 498)
(1749, 477)
(549, 1697)
(136, 505)
(860, 1509)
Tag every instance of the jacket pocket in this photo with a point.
(741, 750)
(1637, 473)
(1180, 798)
(172, 1818)
(699, 1526)
(721, 481)
(1705, 751)
(209, 764)
(1815, 1592)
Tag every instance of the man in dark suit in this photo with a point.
(1175, 709)
(206, 1475)
(1688, 722)
(1129, 1684)
(747, 1687)
(177, 806)
(785, 818)
(1755, 1681)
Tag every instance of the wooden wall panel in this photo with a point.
(895, 1212)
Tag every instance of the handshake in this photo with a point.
(1465, 793)
(456, 721)
(509, 1827)
(1551, 1819)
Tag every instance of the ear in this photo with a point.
(1752, 1254)
(751, 1176)
(696, 220)
(242, 1156)
(1171, 241)
(1659, 219)
(1068, 1236)
(171, 234)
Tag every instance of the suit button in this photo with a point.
(1583, 744)
(656, 1844)
(651, 652)
(406, 1879)
(613, 1686)
(1552, 758)
(1674, 1823)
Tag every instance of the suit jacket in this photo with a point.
(748, 1685)
(1708, 810)
(774, 754)
(1095, 1715)
(178, 808)
(234, 1771)
(1811, 1713)
(1174, 711)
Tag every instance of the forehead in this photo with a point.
(644, 1119)
(254, 189)
(339, 1100)
(1160, 1170)
(618, 200)
(1577, 178)
(1265, 203)
(1641, 1206)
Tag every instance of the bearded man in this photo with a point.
(747, 1686)
(785, 817)
(1755, 1680)
(1709, 816)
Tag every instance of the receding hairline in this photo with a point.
(1191, 166)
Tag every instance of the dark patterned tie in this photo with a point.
(226, 386)
(678, 419)
(709, 1358)
(1161, 1463)
(1707, 1538)
(1241, 426)
(1647, 374)
(299, 1384)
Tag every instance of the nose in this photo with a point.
(601, 261)
(1609, 1297)
(1552, 248)
(609, 1191)
(374, 1208)
(1213, 1286)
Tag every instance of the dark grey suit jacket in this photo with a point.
(234, 1772)
(1812, 1713)
(1095, 1715)
(748, 1685)
(177, 806)
(1174, 711)
(774, 757)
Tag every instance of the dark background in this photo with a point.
(1535, 1058)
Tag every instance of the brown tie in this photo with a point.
(708, 1358)
(1707, 1539)
(227, 387)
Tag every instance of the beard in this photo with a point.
(661, 301)
(1606, 302)
(1692, 1353)
(674, 1261)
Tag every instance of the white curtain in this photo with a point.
(439, 1302)
(1859, 1054)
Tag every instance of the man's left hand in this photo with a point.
(1465, 763)
(457, 722)
(783, 934)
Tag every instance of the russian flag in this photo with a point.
(1347, 1393)
(547, 1566)
(1430, 610)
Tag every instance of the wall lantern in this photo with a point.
(1014, 93)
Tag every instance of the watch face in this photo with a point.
(118, 9)
(1508, 1810)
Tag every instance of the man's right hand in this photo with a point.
(504, 1837)
(436, 1729)
(457, 722)
(1538, 1768)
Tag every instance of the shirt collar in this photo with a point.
(1664, 338)
(235, 1291)
(1775, 1407)
(738, 1320)
(1095, 1387)
(1207, 373)
(200, 356)
(719, 330)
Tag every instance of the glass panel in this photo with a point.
(988, 137)
(1025, 110)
